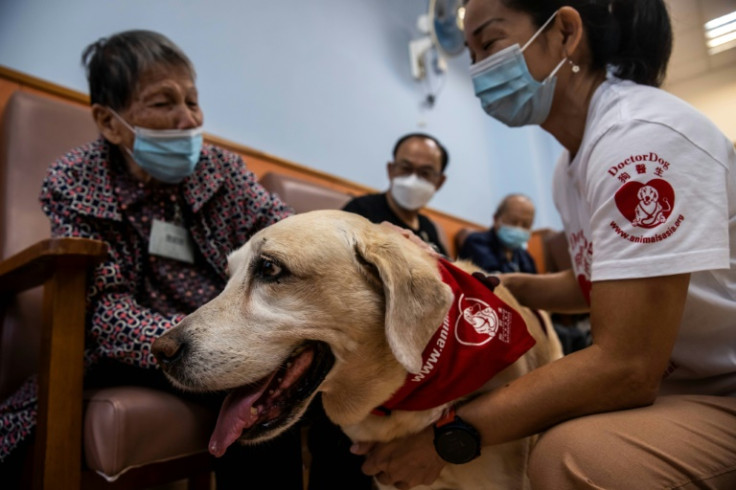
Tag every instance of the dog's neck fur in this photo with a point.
(363, 396)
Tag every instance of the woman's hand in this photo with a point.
(412, 238)
(556, 292)
(404, 463)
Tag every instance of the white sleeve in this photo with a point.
(659, 204)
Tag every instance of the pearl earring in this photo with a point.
(575, 68)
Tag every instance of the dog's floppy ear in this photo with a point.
(416, 298)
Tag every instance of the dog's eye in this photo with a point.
(269, 269)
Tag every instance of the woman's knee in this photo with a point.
(570, 456)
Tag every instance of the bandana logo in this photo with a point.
(646, 205)
(489, 336)
(477, 324)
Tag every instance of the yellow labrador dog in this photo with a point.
(327, 301)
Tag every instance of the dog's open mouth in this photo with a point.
(258, 408)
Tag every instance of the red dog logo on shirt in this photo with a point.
(646, 205)
(649, 211)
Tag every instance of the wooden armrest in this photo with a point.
(34, 265)
(62, 266)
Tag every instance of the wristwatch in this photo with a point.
(455, 440)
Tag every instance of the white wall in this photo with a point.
(325, 83)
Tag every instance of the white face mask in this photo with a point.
(411, 192)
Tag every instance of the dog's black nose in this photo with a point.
(169, 349)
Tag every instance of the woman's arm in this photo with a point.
(557, 292)
(634, 322)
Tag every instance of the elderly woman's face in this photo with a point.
(166, 98)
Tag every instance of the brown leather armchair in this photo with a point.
(303, 195)
(461, 236)
(131, 437)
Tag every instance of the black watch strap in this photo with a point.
(455, 440)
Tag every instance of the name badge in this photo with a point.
(171, 241)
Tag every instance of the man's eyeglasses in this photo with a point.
(405, 169)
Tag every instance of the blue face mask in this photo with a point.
(506, 89)
(512, 237)
(168, 155)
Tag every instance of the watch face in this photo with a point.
(457, 445)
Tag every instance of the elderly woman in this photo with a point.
(646, 188)
(170, 209)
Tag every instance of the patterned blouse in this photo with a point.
(135, 296)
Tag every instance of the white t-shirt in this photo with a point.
(652, 192)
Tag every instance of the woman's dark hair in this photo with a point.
(115, 64)
(631, 37)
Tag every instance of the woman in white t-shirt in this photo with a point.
(647, 194)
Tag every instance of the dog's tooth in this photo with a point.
(298, 351)
(253, 411)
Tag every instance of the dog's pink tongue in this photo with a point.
(237, 413)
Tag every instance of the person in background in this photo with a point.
(646, 189)
(416, 173)
(503, 247)
(171, 209)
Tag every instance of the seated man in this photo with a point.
(416, 173)
(170, 209)
(501, 248)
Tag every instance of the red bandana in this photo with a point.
(480, 336)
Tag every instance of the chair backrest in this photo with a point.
(461, 236)
(303, 195)
(36, 130)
